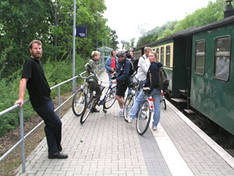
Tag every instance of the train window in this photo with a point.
(200, 57)
(222, 58)
(162, 55)
(157, 52)
(168, 55)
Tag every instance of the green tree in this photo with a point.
(19, 25)
(52, 22)
(114, 41)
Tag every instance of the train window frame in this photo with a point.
(201, 54)
(157, 52)
(227, 55)
(168, 56)
(162, 54)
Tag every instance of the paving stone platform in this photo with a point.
(108, 146)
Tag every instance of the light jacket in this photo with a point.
(92, 67)
(143, 66)
(108, 64)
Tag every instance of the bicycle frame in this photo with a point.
(81, 97)
(92, 101)
(151, 102)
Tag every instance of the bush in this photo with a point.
(56, 72)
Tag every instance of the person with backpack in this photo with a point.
(152, 88)
(143, 65)
(92, 68)
(121, 80)
(130, 57)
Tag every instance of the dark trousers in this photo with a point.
(53, 128)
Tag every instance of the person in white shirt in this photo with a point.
(143, 66)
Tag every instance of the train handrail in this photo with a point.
(22, 136)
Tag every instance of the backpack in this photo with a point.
(135, 64)
(163, 81)
(131, 67)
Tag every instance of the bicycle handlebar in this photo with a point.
(101, 80)
(84, 77)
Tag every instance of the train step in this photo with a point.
(188, 111)
(179, 100)
(182, 91)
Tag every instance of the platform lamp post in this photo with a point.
(74, 48)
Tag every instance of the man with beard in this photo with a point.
(33, 77)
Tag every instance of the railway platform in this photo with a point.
(108, 146)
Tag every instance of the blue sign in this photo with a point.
(80, 31)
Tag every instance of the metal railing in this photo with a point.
(22, 137)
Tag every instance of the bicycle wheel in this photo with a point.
(164, 105)
(79, 102)
(143, 119)
(128, 105)
(87, 110)
(110, 97)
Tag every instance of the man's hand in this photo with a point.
(20, 102)
(114, 81)
(146, 88)
(114, 73)
(22, 89)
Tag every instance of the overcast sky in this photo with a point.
(130, 17)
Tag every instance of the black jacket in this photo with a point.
(123, 71)
(153, 70)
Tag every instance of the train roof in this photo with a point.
(191, 31)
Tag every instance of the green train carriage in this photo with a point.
(212, 76)
(191, 59)
(172, 53)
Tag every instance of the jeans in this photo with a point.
(156, 95)
(109, 76)
(141, 83)
(53, 128)
(129, 90)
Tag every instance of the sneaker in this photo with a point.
(120, 114)
(94, 110)
(129, 119)
(154, 128)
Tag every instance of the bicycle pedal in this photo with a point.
(101, 102)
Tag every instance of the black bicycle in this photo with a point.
(81, 97)
(107, 101)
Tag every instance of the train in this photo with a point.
(199, 63)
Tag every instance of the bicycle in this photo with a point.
(81, 96)
(107, 101)
(143, 115)
(163, 100)
(129, 101)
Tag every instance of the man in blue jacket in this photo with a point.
(121, 80)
